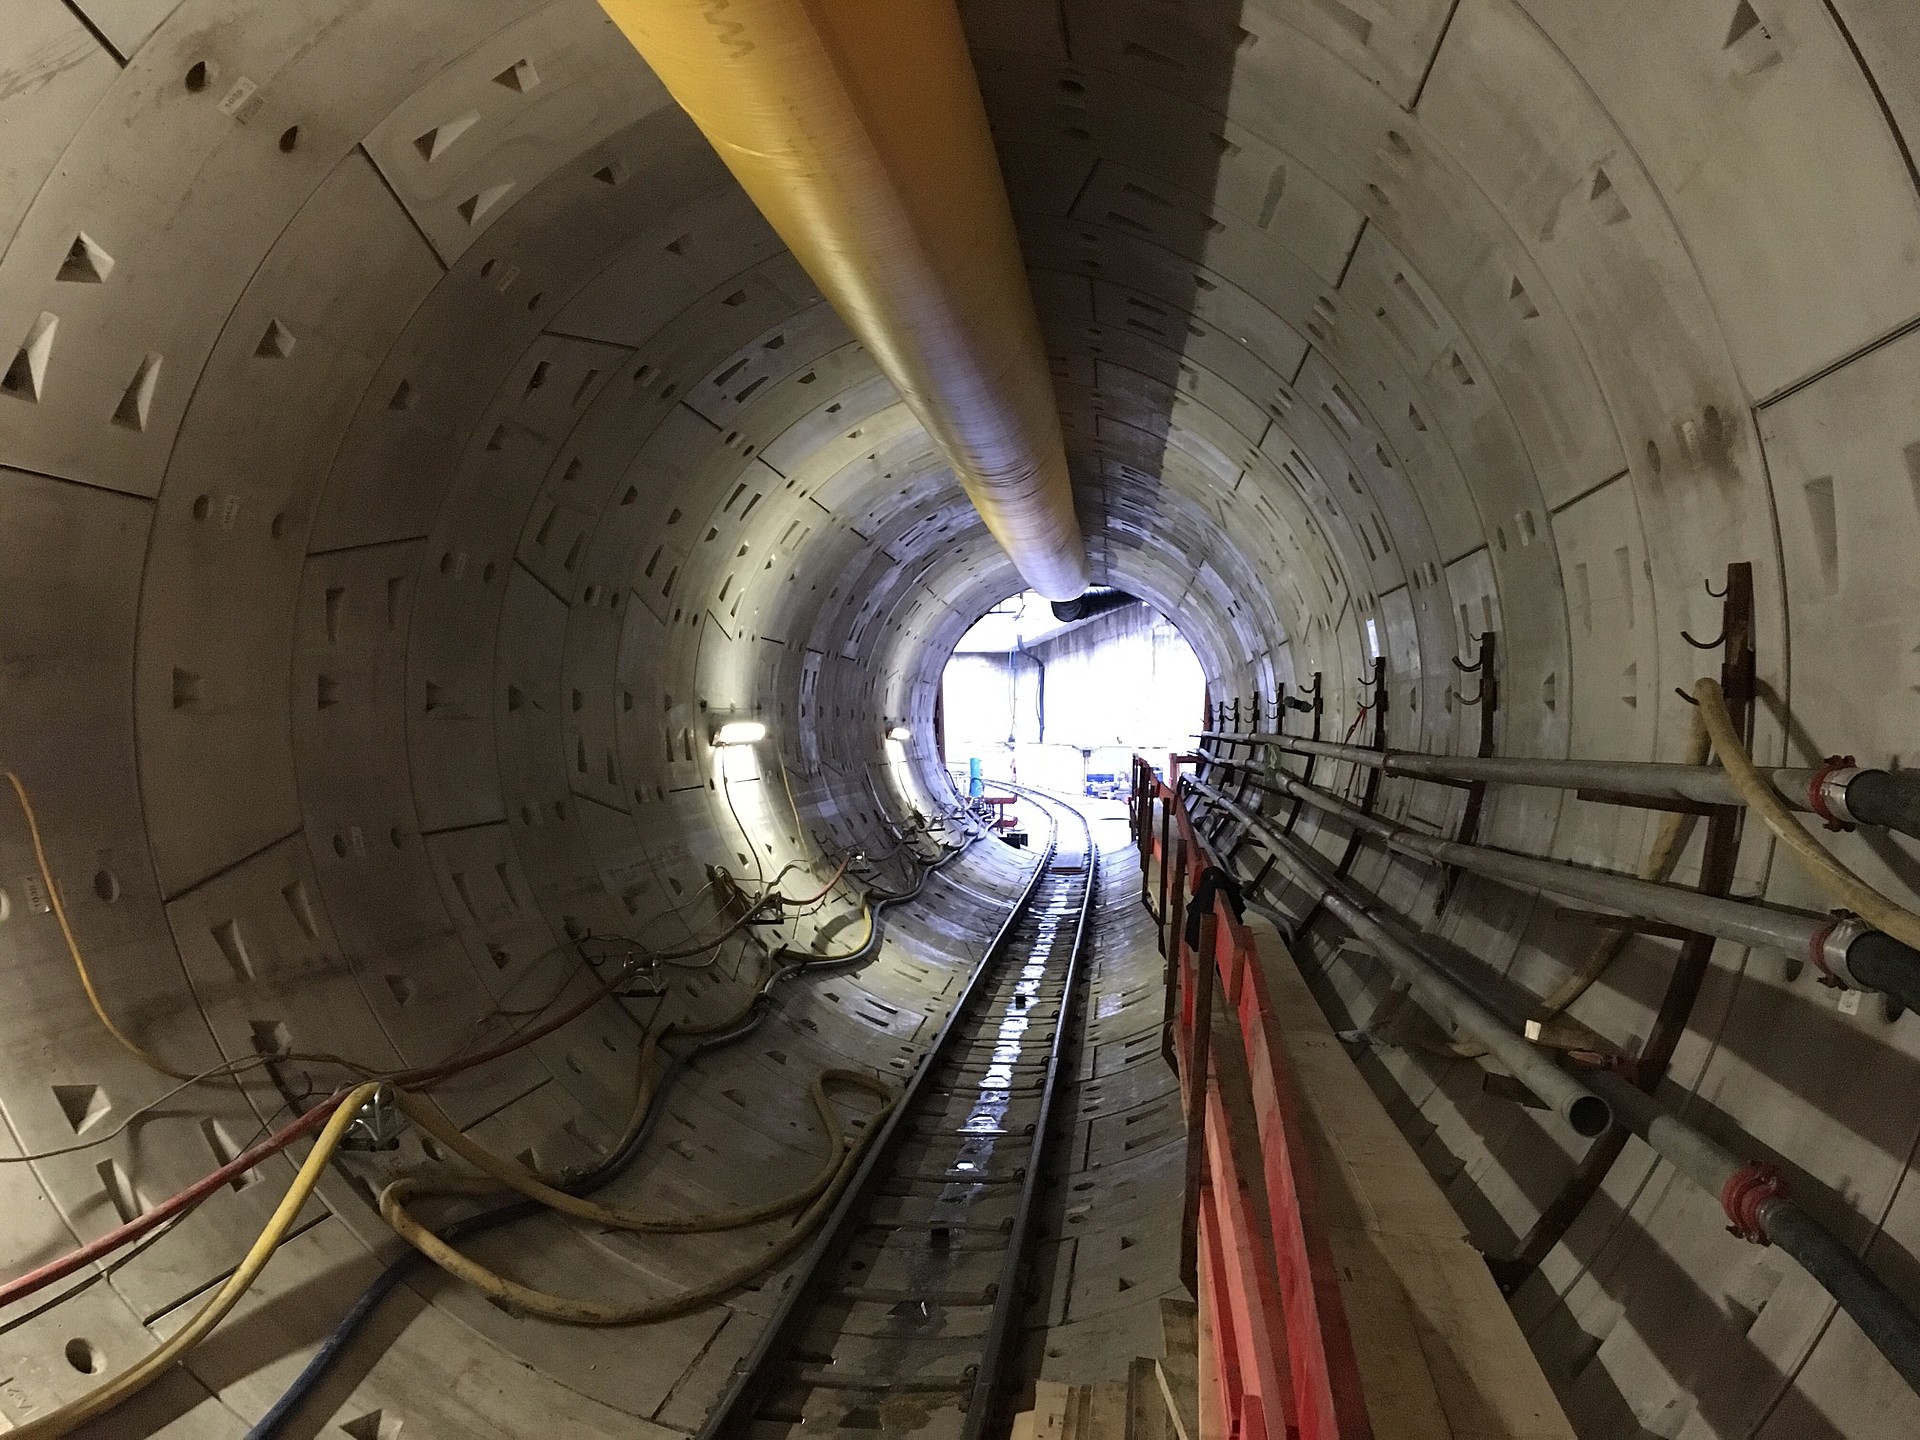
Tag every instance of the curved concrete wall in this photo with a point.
(412, 441)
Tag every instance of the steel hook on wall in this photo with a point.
(1707, 584)
(1713, 644)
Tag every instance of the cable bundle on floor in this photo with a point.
(333, 1117)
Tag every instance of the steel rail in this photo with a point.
(1009, 1298)
(755, 1373)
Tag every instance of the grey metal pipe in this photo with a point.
(1831, 946)
(1437, 991)
(1759, 1212)
(1849, 794)
(1750, 1193)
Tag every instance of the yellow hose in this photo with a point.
(866, 909)
(146, 1056)
(822, 1191)
(1840, 883)
(515, 1176)
(144, 1372)
(856, 126)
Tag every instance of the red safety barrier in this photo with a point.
(1281, 1363)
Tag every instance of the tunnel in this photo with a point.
(416, 449)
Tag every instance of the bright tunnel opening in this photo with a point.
(1064, 704)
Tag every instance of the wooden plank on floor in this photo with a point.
(1148, 1417)
(1049, 1413)
(1107, 1411)
(1178, 1368)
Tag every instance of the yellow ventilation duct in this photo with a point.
(856, 126)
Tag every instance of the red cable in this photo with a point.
(824, 891)
(188, 1198)
(36, 1279)
(24, 1285)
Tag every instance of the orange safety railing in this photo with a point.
(1281, 1362)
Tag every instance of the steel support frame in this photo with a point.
(1488, 700)
(1717, 863)
(1369, 795)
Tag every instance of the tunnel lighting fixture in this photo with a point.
(740, 732)
(899, 732)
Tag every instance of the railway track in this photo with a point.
(903, 1313)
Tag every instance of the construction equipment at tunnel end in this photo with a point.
(857, 128)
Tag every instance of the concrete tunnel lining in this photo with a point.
(428, 429)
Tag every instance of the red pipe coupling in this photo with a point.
(1817, 798)
(1746, 1190)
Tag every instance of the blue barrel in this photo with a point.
(976, 782)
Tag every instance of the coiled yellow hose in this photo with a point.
(1840, 883)
(822, 1191)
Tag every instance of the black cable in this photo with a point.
(603, 1174)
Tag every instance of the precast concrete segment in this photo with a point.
(857, 128)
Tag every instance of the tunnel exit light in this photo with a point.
(899, 732)
(740, 732)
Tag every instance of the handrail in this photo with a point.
(1278, 1294)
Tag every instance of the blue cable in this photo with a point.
(308, 1380)
(609, 1170)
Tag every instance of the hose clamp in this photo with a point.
(1827, 791)
(1829, 946)
(1746, 1190)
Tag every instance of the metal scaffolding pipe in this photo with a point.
(1750, 1193)
(1846, 950)
(1846, 793)
(857, 128)
(1440, 993)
